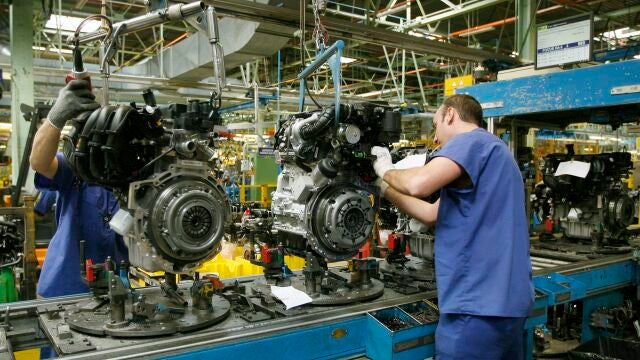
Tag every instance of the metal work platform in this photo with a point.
(387, 327)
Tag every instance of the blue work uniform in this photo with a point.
(45, 201)
(483, 269)
(82, 213)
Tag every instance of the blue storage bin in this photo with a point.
(394, 334)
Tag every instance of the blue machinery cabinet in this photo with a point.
(598, 285)
(362, 334)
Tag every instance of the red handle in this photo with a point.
(80, 76)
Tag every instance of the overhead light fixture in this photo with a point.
(623, 33)
(347, 60)
(41, 48)
(4, 50)
(70, 23)
(478, 31)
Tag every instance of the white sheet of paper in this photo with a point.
(411, 161)
(573, 168)
(290, 296)
(574, 214)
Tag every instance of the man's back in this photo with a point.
(482, 241)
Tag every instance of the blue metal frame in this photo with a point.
(332, 56)
(263, 99)
(595, 287)
(587, 88)
(319, 342)
(621, 53)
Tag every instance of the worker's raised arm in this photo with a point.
(73, 99)
(43, 153)
(424, 180)
(420, 181)
(418, 209)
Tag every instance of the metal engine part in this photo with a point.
(322, 200)
(157, 161)
(179, 218)
(598, 207)
(11, 243)
(340, 218)
(93, 317)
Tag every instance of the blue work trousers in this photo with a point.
(462, 336)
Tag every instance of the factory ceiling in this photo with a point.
(440, 38)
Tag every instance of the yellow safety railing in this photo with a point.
(265, 193)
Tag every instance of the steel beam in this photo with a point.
(623, 12)
(450, 13)
(21, 22)
(525, 29)
(346, 29)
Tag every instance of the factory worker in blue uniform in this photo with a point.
(82, 211)
(482, 264)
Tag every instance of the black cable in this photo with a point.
(47, 10)
(309, 93)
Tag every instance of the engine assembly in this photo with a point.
(176, 213)
(597, 207)
(322, 196)
(173, 215)
(322, 206)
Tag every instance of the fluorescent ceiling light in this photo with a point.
(347, 60)
(623, 33)
(70, 23)
(478, 31)
(424, 35)
(40, 48)
(343, 60)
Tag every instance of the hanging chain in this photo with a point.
(320, 34)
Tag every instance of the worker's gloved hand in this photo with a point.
(73, 99)
(382, 185)
(383, 162)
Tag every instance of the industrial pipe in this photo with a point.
(173, 12)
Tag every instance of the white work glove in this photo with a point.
(383, 162)
(382, 185)
(73, 100)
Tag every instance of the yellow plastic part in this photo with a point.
(227, 268)
(29, 354)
